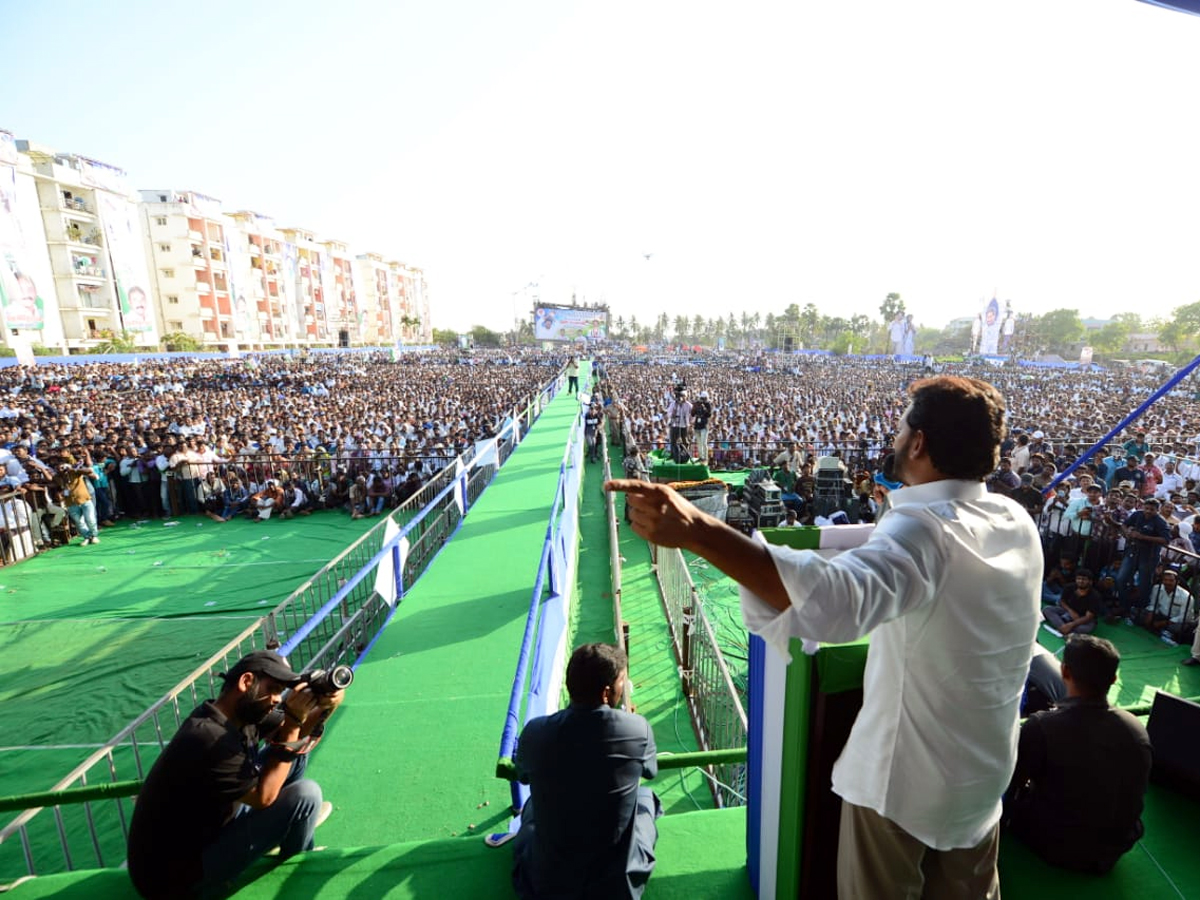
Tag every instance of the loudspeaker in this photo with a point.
(1174, 730)
(787, 344)
(343, 338)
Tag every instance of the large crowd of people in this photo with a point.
(87, 444)
(1125, 514)
(282, 435)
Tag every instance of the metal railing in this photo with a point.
(1098, 545)
(22, 530)
(718, 716)
(620, 629)
(332, 619)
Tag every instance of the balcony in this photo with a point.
(196, 236)
(203, 287)
(90, 272)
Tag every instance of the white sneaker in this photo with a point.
(95, 540)
(324, 811)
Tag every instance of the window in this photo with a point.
(175, 326)
(161, 221)
(164, 248)
(172, 298)
(168, 273)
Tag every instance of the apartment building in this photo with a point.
(187, 243)
(92, 238)
(84, 261)
(342, 301)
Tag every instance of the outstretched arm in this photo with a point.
(661, 516)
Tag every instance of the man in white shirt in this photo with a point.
(947, 586)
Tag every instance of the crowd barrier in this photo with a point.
(537, 682)
(620, 629)
(716, 710)
(20, 535)
(331, 619)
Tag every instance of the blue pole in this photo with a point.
(1125, 422)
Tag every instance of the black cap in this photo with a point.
(264, 662)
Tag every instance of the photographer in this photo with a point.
(72, 479)
(213, 802)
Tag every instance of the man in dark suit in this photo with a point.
(588, 828)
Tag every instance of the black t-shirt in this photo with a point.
(1151, 526)
(1088, 603)
(1088, 765)
(191, 793)
(701, 410)
(592, 420)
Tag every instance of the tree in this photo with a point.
(681, 327)
(178, 341)
(1112, 337)
(891, 305)
(810, 321)
(125, 342)
(445, 336)
(1181, 331)
(485, 337)
(1060, 328)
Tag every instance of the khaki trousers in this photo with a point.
(879, 860)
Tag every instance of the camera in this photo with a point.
(329, 681)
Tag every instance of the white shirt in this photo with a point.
(1172, 606)
(948, 586)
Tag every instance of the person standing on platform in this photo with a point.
(701, 413)
(572, 376)
(948, 587)
(594, 832)
(679, 417)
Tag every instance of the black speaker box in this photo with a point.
(1174, 730)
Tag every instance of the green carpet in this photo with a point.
(95, 635)
(412, 753)
(1162, 866)
(701, 856)
(652, 668)
(1147, 665)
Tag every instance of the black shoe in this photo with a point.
(1191, 661)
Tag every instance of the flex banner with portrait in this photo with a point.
(569, 323)
(989, 338)
(122, 233)
(23, 306)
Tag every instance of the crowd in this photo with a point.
(283, 435)
(83, 445)
(805, 417)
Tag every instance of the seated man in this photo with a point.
(213, 803)
(1168, 607)
(1059, 577)
(1077, 609)
(1082, 768)
(594, 831)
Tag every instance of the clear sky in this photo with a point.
(763, 153)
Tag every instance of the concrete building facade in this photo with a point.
(85, 262)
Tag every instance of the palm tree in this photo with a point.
(681, 327)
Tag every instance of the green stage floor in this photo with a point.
(701, 856)
(409, 760)
(94, 635)
(412, 753)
